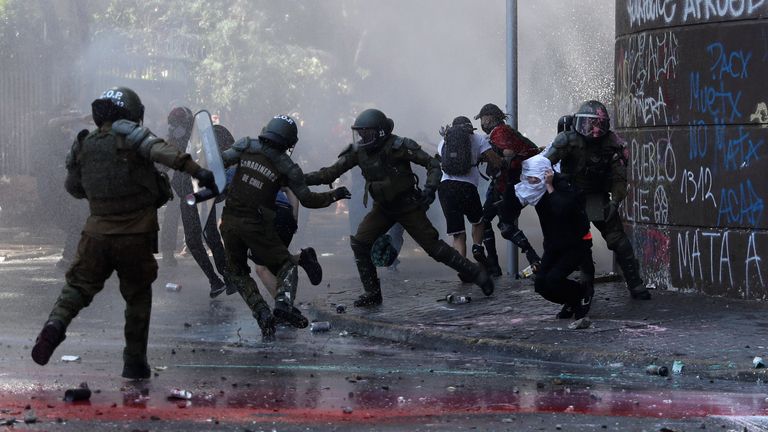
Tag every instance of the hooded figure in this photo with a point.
(532, 187)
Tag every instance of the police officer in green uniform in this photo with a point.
(247, 221)
(593, 158)
(385, 161)
(113, 168)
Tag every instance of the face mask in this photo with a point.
(531, 193)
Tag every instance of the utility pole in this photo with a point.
(512, 103)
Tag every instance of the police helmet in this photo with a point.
(281, 131)
(117, 103)
(371, 127)
(592, 120)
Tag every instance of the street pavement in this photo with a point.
(475, 366)
(712, 337)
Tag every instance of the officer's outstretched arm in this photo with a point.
(299, 187)
(149, 146)
(415, 154)
(557, 150)
(347, 160)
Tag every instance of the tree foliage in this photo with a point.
(239, 54)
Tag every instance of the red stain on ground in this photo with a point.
(382, 406)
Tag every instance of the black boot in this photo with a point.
(492, 259)
(485, 282)
(136, 369)
(286, 312)
(533, 259)
(478, 253)
(368, 299)
(308, 261)
(565, 313)
(267, 324)
(51, 336)
(630, 268)
(217, 287)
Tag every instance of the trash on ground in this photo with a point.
(160, 368)
(172, 287)
(758, 363)
(677, 367)
(30, 417)
(457, 299)
(70, 358)
(343, 333)
(583, 323)
(78, 394)
(657, 370)
(319, 326)
(180, 394)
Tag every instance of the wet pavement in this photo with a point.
(712, 337)
(343, 379)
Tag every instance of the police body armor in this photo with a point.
(116, 179)
(588, 165)
(388, 176)
(257, 179)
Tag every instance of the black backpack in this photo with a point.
(456, 153)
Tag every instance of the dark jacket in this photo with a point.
(562, 216)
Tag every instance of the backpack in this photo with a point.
(456, 153)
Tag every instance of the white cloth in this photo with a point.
(528, 193)
(480, 144)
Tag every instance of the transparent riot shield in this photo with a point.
(205, 151)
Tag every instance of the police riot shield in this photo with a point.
(205, 151)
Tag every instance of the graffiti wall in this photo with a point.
(691, 101)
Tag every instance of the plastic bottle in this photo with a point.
(319, 326)
(457, 299)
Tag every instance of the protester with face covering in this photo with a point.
(567, 240)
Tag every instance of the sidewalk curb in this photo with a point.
(430, 339)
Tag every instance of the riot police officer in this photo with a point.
(385, 161)
(247, 221)
(113, 168)
(593, 158)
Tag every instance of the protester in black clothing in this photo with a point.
(567, 240)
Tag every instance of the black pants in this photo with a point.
(552, 281)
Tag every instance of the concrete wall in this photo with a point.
(690, 100)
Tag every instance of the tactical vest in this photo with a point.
(388, 175)
(255, 185)
(588, 165)
(115, 178)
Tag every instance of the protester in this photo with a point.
(461, 150)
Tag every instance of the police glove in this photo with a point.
(611, 210)
(205, 179)
(341, 193)
(427, 197)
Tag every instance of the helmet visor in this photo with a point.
(364, 137)
(591, 126)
